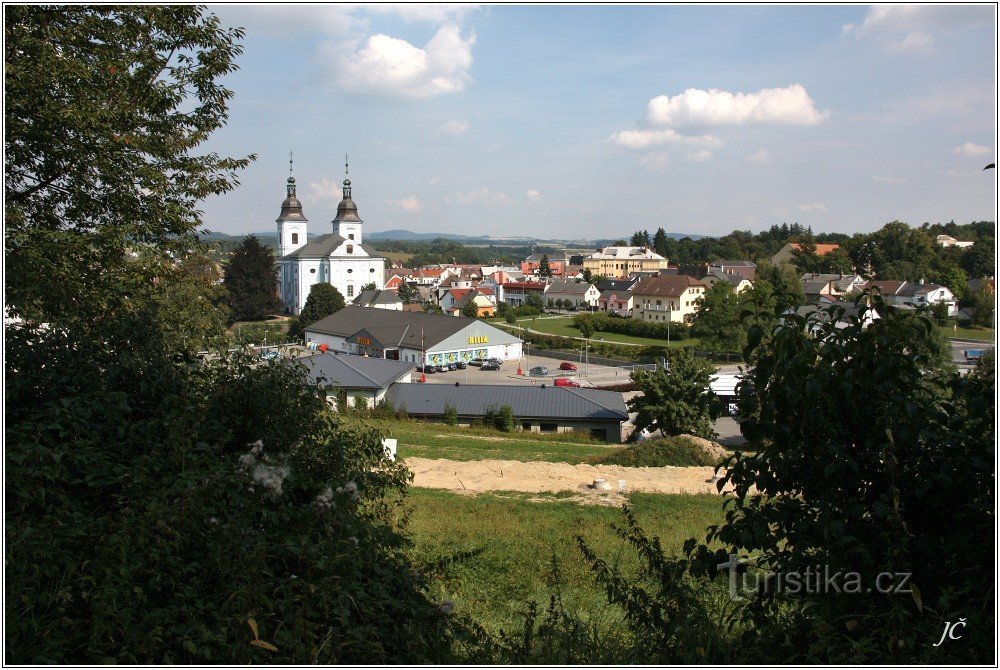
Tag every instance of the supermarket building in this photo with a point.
(414, 337)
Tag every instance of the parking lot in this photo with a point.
(592, 375)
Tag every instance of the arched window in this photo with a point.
(295, 238)
(350, 248)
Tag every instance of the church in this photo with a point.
(339, 258)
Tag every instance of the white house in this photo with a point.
(338, 258)
(578, 295)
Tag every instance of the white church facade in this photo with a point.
(339, 258)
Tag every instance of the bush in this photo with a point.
(657, 453)
(450, 415)
(609, 323)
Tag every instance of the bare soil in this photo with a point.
(539, 477)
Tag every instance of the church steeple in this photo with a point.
(347, 223)
(291, 222)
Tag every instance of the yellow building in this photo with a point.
(621, 262)
(670, 298)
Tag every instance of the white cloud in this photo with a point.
(699, 155)
(483, 195)
(762, 157)
(410, 204)
(813, 207)
(913, 28)
(640, 139)
(424, 12)
(790, 105)
(324, 189)
(888, 179)
(970, 149)
(390, 66)
(453, 128)
(913, 41)
(533, 195)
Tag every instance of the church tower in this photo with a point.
(292, 223)
(348, 223)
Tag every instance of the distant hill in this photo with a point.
(409, 235)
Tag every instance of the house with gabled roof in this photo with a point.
(667, 298)
(355, 380)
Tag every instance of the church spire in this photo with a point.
(291, 175)
(291, 208)
(347, 181)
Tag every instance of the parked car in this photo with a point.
(973, 355)
(270, 355)
(539, 371)
(442, 368)
(567, 366)
(461, 365)
(565, 381)
(490, 365)
(427, 369)
(452, 366)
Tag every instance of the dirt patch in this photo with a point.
(538, 477)
(713, 449)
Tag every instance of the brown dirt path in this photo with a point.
(539, 477)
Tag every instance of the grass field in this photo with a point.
(563, 325)
(960, 333)
(428, 440)
(518, 541)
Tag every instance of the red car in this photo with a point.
(567, 366)
(565, 381)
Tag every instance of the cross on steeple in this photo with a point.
(291, 160)
(346, 167)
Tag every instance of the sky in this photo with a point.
(584, 122)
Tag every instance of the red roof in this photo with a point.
(524, 286)
(821, 249)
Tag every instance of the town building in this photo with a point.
(539, 409)
(738, 282)
(616, 302)
(355, 380)
(572, 294)
(415, 337)
(787, 252)
(667, 298)
(830, 285)
(338, 258)
(949, 241)
(746, 268)
(621, 262)
(557, 264)
(516, 293)
(379, 298)
(915, 294)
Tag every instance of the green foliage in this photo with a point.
(450, 415)
(251, 281)
(406, 293)
(980, 260)
(717, 323)
(543, 267)
(983, 306)
(659, 452)
(758, 305)
(560, 303)
(470, 310)
(501, 419)
(585, 324)
(871, 459)
(939, 311)
(677, 399)
(102, 105)
(324, 299)
(785, 284)
(370, 286)
(608, 323)
(660, 243)
(509, 317)
(443, 250)
(533, 299)
(955, 279)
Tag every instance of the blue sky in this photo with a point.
(594, 121)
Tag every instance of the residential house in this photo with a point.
(839, 284)
(738, 282)
(578, 295)
(557, 263)
(379, 298)
(541, 408)
(746, 268)
(949, 241)
(623, 261)
(787, 252)
(915, 294)
(667, 298)
(616, 302)
(516, 293)
(456, 299)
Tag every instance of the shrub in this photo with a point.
(450, 415)
(656, 453)
(505, 420)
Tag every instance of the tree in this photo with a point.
(101, 108)
(559, 303)
(533, 299)
(980, 259)
(450, 414)
(470, 309)
(323, 301)
(543, 267)
(717, 323)
(983, 306)
(677, 399)
(509, 317)
(955, 279)
(588, 276)
(586, 325)
(370, 286)
(758, 305)
(251, 281)
(620, 243)
(660, 242)
(786, 285)
(156, 504)
(405, 293)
